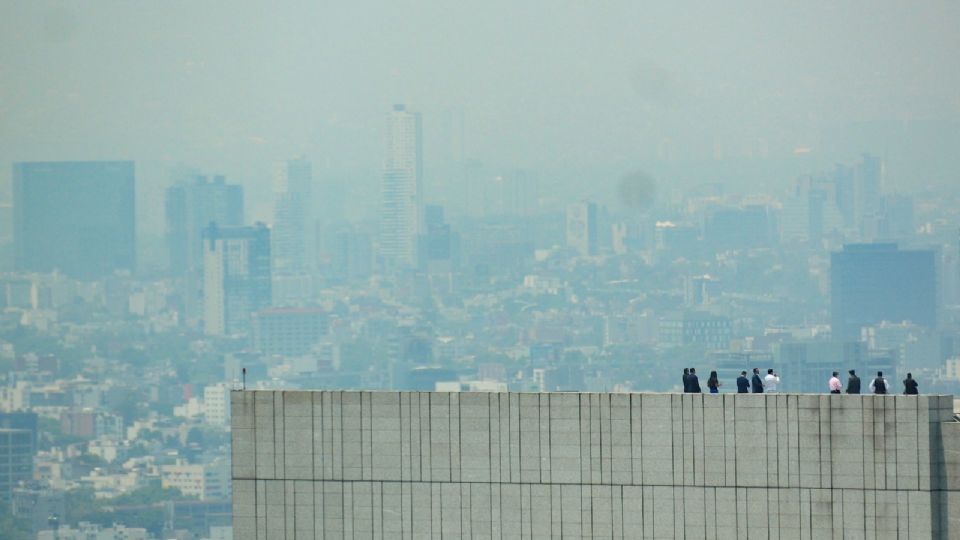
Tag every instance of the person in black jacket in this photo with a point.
(757, 382)
(686, 380)
(694, 381)
(880, 386)
(743, 384)
(910, 385)
(853, 383)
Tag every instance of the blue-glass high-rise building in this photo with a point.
(871, 283)
(74, 216)
(236, 277)
(193, 205)
(294, 235)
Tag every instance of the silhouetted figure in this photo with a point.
(694, 381)
(910, 386)
(686, 380)
(713, 383)
(757, 382)
(853, 383)
(835, 385)
(879, 385)
(743, 384)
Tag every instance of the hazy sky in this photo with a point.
(569, 89)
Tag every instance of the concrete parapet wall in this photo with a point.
(423, 464)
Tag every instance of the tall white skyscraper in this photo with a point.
(293, 229)
(401, 217)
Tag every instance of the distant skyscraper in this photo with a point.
(294, 241)
(401, 193)
(439, 244)
(74, 216)
(349, 253)
(192, 206)
(236, 277)
(510, 193)
(813, 211)
(898, 215)
(582, 227)
(871, 283)
(867, 187)
(18, 444)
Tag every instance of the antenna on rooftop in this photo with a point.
(244, 387)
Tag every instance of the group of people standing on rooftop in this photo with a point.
(691, 382)
(769, 383)
(878, 385)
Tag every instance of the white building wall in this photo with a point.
(216, 408)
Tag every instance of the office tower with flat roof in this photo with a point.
(236, 277)
(898, 215)
(582, 227)
(74, 216)
(402, 189)
(193, 205)
(872, 283)
(18, 444)
(813, 211)
(437, 243)
(293, 231)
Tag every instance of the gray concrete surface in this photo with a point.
(581, 465)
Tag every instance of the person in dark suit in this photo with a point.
(853, 383)
(694, 381)
(910, 385)
(757, 382)
(686, 380)
(743, 384)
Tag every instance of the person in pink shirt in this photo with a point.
(835, 385)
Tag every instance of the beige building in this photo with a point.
(207, 482)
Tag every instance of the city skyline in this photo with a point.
(681, 104)
(254, 256)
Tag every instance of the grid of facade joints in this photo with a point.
(518, 465)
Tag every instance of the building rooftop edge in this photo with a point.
(567, 392)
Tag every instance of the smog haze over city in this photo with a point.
(489, 196)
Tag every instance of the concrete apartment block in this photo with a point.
(581, 465)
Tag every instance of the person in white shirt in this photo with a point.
(835, 385)
(770, 382)
(880, 385)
